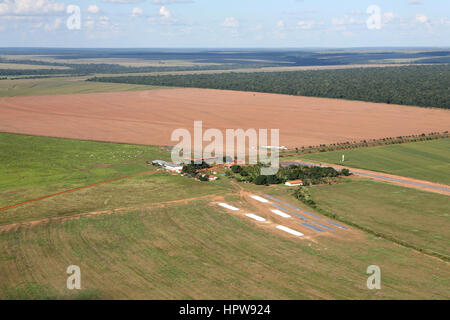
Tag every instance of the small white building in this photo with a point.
(294, 183)
(274, 147)
(168, 166)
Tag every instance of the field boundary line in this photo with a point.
(33, 223)
(76, 189)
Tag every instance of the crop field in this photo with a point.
(36, 166)
(162, 236)
(198, 252)
(428, 160)
(55, 86)
(149, 117)
(415, 217)
(135, 191)
(127, 62)
(19, 66)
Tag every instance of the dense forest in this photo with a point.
(201, 59)
(77, 69)
(426, 86)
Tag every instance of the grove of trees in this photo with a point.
(309, 175)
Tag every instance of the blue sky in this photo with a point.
(226, 23)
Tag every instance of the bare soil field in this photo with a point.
(149, 117)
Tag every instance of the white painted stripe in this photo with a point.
(255, 217)
(227, 206)
(260, 199)
(289, 230)
(281, 213)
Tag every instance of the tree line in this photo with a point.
(426, 86)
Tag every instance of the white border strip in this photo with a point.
(255, 217)
(289, 230)
(260, 199)
(227, 206)
(280, 213)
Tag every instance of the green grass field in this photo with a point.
(428, 160)
(416, 217)
(36, 166)
(131, 192)
(167, 241)
(200, 252)
(52, 86)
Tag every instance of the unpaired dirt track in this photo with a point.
(149, 117)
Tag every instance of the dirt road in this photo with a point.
(403, 181)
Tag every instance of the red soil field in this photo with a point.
(149, 117)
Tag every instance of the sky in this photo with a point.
(224, 23)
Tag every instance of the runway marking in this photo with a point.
(289, 230)
(272, 198)
(227, 206)
(255, 217)
(260, 199)
(312, 227)
(336, 224)
(281, 213)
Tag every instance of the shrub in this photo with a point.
(261, 180)
(272, 179)
(304, 196)
(244, 172)
(236, 168)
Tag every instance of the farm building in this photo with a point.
(274, 147)
(167, 165)
(294, 183)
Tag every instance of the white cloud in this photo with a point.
(93, 9)
(165, 13)
(54, 25)
(104, 21)
(356, 13)
(230, 22)
(136, 12)
(258, 27)
(388, 17)
(338, 21)
(305, 24)
(346, 21)
(30, 7)
(445, 21)
(414, 2)
(421, 18)
(122, 1)
(280, 24)
(89, 22)
(163, 2)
